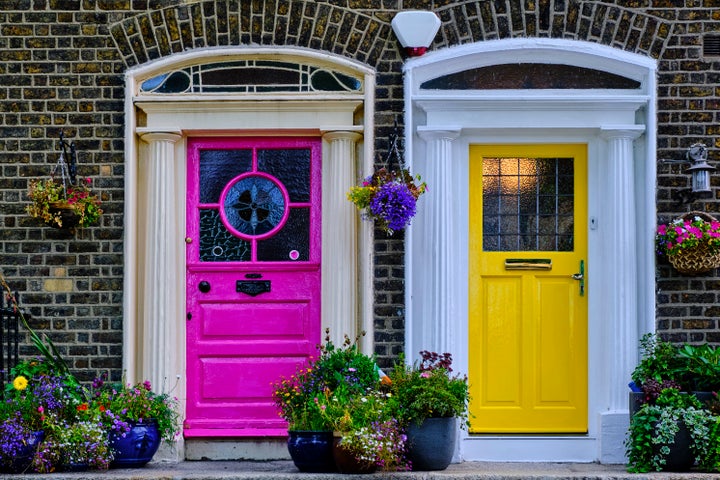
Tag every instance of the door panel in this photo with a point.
(253, 278)
(528, 315)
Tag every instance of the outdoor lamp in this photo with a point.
(700, 170)
(415, 30)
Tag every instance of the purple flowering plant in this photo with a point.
(684, 233)
(389, 197)
(123, 404)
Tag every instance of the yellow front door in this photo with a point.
(528, 288)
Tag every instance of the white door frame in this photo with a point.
(157, 127)
(619, 128)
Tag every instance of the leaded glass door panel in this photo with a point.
(527, 288)
(253, 277)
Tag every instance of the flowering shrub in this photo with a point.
(687, 233)
(16, 438)
(299, 397)
(389, 197)
(82, 442)
(48, 195)
(381, 442)
(121, 405)
(429, 389)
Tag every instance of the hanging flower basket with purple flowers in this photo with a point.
(388, 197)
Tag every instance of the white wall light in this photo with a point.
(415, 30)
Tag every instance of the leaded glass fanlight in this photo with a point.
(251, 76)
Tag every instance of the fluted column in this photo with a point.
(620, 252)
(158, 241)
(339, 237)
(439, 293)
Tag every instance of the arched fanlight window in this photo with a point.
(251, 76)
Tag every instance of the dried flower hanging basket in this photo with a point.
(699, 259)
(65, 212)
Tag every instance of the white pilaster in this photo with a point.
(619, 234)
(159, 243)
(340, 298)
(438, 314)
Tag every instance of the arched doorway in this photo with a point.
(527, 95)
(231, 95)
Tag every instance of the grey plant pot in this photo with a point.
(432, 443)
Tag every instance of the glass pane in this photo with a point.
(254, 205)
(217, 168)
(529, 76)
(291, 167)
(291, 243)
(217, 244)
(528, 204)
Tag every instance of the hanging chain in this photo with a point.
(67, 171)
(393, 149)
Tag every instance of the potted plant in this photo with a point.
(298, 399)
(63, 205)
(430, 400)
(389, 197)
(83, 444)
(672, 434)
(660, 366)
(367, 435)
(691, 243)
(150, 416)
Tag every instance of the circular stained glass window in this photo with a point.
(254, 205)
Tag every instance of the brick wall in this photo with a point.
(61, 69)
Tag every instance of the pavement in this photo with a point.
(284, 469)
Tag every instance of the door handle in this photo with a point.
(580, 276)
(204, 286)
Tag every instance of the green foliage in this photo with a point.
(136, 403)
(343, 372)
(702, 366)
(424, 391)
(653, 429)
(47, 195)
(659, 360)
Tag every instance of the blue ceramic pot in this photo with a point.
(137, 447)
(311, 451)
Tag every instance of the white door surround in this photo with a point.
(618, 125)
(157, 128)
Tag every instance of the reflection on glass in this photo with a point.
(528, 204)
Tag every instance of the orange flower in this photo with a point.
(82, 407)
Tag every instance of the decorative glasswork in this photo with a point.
(291, 167)
(251, 76)
(218, 167)
(217, 244)
(518, 76)
(290, 243)
(254, 205)
(528, 204)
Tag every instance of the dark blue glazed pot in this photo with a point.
(311, 451)
(137, 447)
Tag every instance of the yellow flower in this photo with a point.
(20, 383)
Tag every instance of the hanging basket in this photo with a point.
(698, 259)
(69, 218)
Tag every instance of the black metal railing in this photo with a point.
(9, 336)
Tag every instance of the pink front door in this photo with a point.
(253, 278)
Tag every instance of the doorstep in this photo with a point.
(285, 470)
